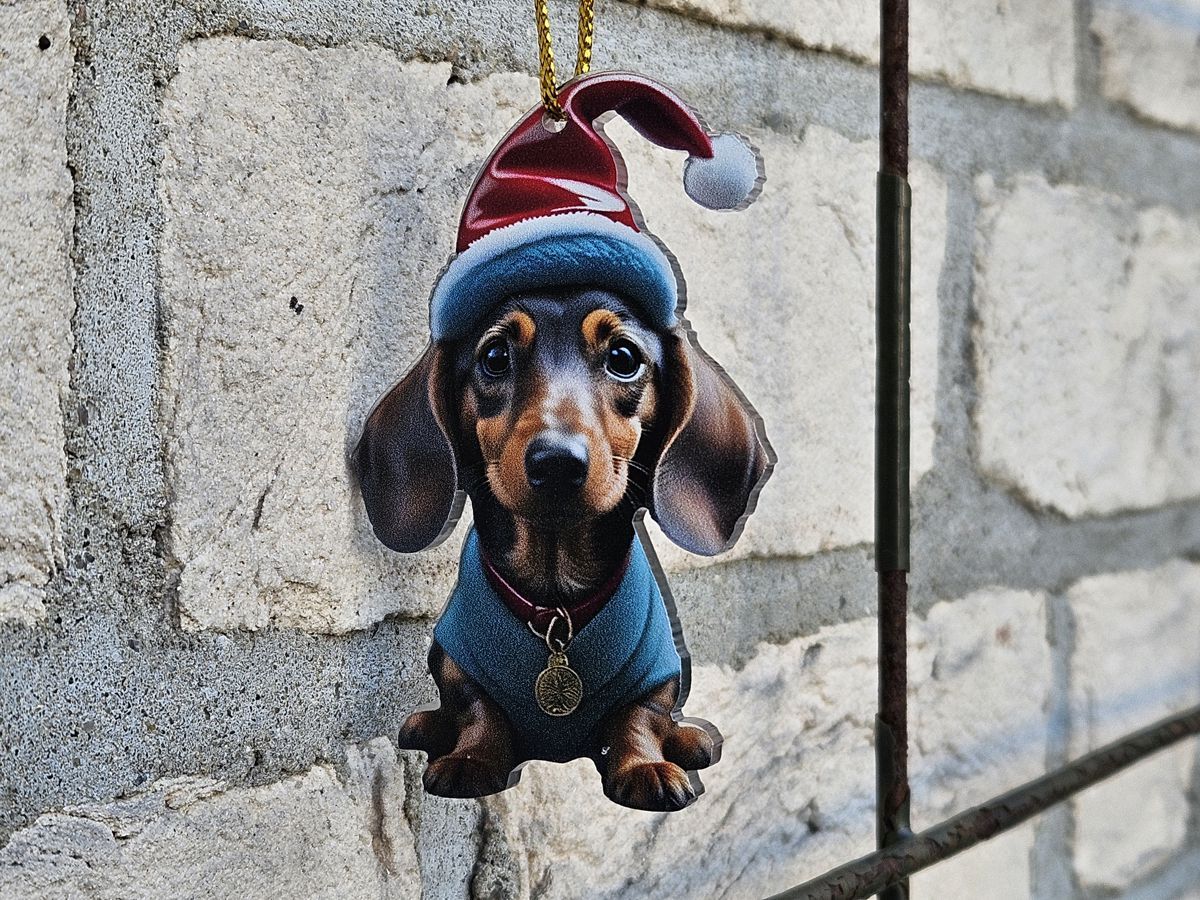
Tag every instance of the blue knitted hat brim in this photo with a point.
(569, 249)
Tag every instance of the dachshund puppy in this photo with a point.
(562, 415)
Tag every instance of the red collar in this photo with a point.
(581, 612)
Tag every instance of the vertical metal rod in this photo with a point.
(893, 87)
(892, 434)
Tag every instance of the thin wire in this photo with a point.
(583, 59)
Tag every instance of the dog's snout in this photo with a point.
(556, 463)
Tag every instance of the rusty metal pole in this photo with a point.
(893, 203)
(874, 873)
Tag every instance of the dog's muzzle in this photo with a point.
(556, 464)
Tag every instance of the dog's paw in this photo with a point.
(431, 731)
(656, 786)
(689, 747)
(422, 731)
(460, 775)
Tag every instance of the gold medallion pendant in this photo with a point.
(558, 689)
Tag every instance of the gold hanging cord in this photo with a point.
(583, 61)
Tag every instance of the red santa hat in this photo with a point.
(549, 207)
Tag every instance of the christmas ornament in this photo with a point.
(561, 392)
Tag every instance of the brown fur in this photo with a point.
(647, 754)
(467, 738)
(559, 562)
(569, 406)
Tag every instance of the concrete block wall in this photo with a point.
(220, 220)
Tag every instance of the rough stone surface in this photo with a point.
(979, 725)
(979, 716)
(999, 869)
(110, 695)
(1022, 49)
(259, 392)
(1150, 59)
(792, 794)
(1136, 659)
(799, 264)
(301, 242)
(313, 835)
(35, 299)
(1087, 348)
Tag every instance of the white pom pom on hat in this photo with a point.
(727, 179)
(549, 208)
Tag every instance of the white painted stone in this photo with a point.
(1129, 824)
(1087, 348)
(334, 177)
(267, 202)
(1136, 659)
(1150, 59)
(310, 835)
(1022, 48)
(793, 792)
(998, 869)
(782, 295)
(851, 28)
(36, 217)
(978, 726)
(979, 715)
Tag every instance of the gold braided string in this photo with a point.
(583, 59)
(587, 32)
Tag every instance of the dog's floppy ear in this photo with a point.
(405, 458)
(713, 459)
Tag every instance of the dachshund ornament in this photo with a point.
(561, 392)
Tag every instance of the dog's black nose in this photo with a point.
(556, 464)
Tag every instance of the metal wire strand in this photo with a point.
(583, 59)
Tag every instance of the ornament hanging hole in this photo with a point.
(551, 124)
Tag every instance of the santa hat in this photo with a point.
(549, 207)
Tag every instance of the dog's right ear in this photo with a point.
(714, 458)
(405, 459)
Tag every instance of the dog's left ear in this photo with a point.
(405, 459)
(713, 458)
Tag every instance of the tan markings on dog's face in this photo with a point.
(489, 400)
(598, 326)
(521, 327)
(586, 380)
(624, 403)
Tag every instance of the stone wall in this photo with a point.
(219, 223)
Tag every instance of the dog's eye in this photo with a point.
(624, 360)
(495, 358)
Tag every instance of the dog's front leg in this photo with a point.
(468, 739)
(647, 755)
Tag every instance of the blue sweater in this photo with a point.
(627, 650)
